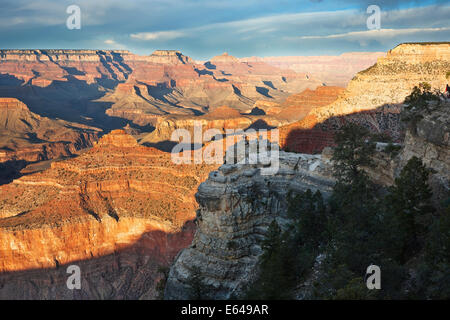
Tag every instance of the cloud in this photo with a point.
(203, 28)
(374, 34)
(159, 35)
(111, 43)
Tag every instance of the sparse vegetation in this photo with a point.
(420, 102)
(161, 285)
(196, 284)
(397, 229)
(392, 149)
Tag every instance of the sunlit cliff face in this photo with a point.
(100, 202)
(374, 97)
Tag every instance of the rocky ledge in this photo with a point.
(237, 204)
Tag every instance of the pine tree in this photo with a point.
(276, 273)
(419, 103)
(308, 211)
(354, 150)
(411, 209)
(196, 284)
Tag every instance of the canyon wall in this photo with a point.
(237, 204)
(118, 208)
(374, 97)
(429, 140)
(25, 135)
(96, 86)
(333, 70)
(81, 85)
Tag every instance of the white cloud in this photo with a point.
(159, 35)
(373, 34)
(114, 44)
(262, 25)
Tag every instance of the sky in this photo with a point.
(202, 29)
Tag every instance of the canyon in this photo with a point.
(334, 70)
(94, 86)
(237, 205)
(374, 98)
(107, 208)
(85, 136)
(27, 136)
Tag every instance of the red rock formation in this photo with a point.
(86, 83)
(374, 97)
(333, 70)
(170, 83)
(221, 118)
(116, 197)
(27, 136)
(223, 112)
(299, 105)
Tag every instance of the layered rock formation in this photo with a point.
(264, 115)
(99, 88)
(63, 84)
(118, 211)
(165, 127)
(333, 70)
(25, 135)
(429, 140)
(237, 204)
(297, 106)
(177, 85)
(80, 85)
(374, 97)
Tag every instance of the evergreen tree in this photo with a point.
(419, 103)
(435, 274)
(196, 284)
(353, 223)
(276, 274)
(410, 207)
(308, 212)
(352, 152)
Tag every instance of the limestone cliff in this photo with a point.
(374, 97)
(429, 140)
(237, 204)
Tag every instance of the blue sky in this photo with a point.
(204, 28)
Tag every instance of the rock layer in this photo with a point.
(297, 106)
(333, 70)
(374, 97)
(25, 135)
(117, 200)
(237, 204)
